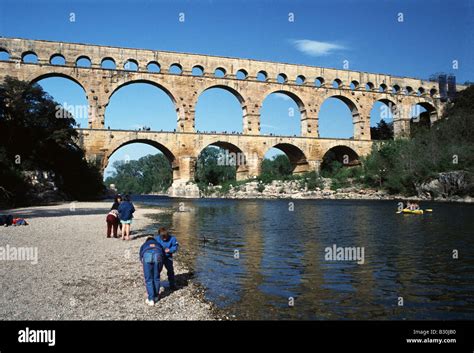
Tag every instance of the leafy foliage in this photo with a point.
(212, 169)
(383, 131)
(399, 165)
(312, 180)
(37, 134)
(149, 174)
(276, 168)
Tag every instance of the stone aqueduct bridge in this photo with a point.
(358, 90)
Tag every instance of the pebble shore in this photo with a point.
(82, 275)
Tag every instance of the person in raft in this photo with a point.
(412, 206)
(112, 220)
(151, 257)
(170, 245)
(126, 210)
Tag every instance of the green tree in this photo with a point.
(212, 167)
(276, 168)
(447, 145)
(38, 134)
(149, 174)
(383, 131)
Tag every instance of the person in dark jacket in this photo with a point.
(117, 200)
(126, 210)
(6, 220)
(151, 256)
(170, 246)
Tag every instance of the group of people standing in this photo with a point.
(120, 215)
(155, 253)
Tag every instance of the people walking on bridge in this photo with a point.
(126, 210)
(151, 257)
(170, 246)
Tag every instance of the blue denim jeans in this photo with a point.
(152, 265)
(168, 262)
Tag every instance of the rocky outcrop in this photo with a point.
(184, 189)
(452, 186)
(294, 189)
(43, 187)
(455, 184)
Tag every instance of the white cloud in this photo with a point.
(315, 48)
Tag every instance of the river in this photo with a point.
(268, 259)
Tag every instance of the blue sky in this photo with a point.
(324, 33)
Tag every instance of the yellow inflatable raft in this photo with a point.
(405, 210)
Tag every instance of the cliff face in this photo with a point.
(447, 185)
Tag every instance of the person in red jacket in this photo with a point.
(112, 223)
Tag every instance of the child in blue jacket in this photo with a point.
(151, 256)
(170, 246)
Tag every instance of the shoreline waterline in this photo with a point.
(82, 275)
(336, 196)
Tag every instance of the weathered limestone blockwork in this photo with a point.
(182, 149)
(183, 146)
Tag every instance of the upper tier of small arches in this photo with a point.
(218, 71)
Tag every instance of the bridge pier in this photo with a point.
(401, 121)
(401, 128)
(183, 178)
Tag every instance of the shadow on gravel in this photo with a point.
(35, 213)
(182, 280)
(140, 236)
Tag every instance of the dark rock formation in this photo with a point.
(447, 185)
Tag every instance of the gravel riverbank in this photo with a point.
(82, 275)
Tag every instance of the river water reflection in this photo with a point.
(254, 256)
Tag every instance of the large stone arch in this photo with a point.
(53, 74)
(346, 155)
(297, 157)
(79, 112)
(430, 110)
(393, 108)
(295, 97)
(359, 121)
(391, 103)
(168, 153)
(160, 86)
(211, 85)
(232, 153)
